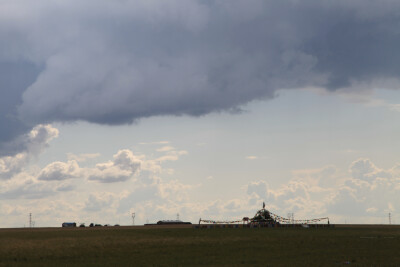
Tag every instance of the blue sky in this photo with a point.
(202, 108)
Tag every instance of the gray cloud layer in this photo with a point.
(31, 145)
(115, 62)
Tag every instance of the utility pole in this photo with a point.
(133, 218)
(390, 218)
(30, 220)
(291, 217)
(177, 216)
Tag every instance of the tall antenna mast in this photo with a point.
(133, 218)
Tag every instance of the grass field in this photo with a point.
(139, 246)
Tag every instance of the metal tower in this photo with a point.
(133, 218)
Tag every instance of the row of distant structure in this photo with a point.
(32, 223)
(133, 215)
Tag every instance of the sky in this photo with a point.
(202, 108)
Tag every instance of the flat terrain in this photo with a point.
(356, 245)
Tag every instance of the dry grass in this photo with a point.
(166, 246)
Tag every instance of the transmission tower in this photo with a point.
(30, 220)
(291, 217)
(390, 218)
(177, 216)
(133, 218)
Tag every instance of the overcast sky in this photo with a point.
(204, 108)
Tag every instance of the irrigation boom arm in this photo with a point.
(276, 218)
(307, 221)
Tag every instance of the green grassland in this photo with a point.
(140, 246)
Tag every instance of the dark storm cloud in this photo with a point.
(116, 62)
(15, 77)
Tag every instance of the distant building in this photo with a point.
(69, 224)
(172, 222)
(168, 222)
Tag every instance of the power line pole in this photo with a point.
(133, 218)
(177, 216)
(30, 220)
(291, 217)
(390, 218)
